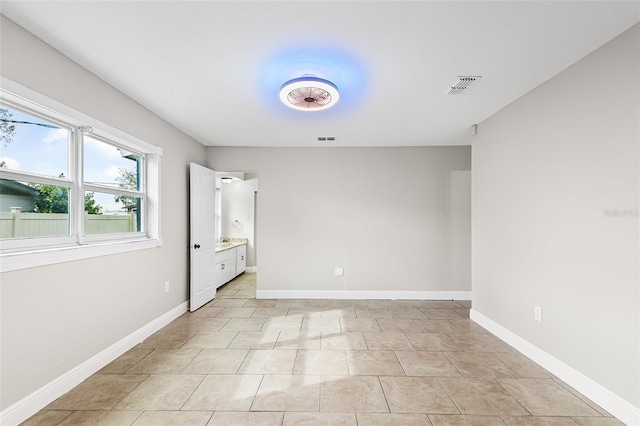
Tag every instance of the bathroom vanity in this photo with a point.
(230, 260)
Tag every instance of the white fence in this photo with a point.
(16, 225)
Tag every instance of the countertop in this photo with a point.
(229, 245)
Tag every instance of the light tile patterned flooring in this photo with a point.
(242, 361)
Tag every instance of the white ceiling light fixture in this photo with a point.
(309, 93)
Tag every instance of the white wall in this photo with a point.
(237, 205)
(54, 318)
(547, 170)
(383, 214)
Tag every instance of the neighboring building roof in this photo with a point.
(11, 187)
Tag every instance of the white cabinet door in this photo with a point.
(202, 229)
(218, 278)
(241, 263)
(229, 271)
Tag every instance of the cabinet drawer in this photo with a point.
(225, 255)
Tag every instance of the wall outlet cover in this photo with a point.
(339, 271)
(537, 313)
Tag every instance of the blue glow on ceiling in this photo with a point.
(330, 63)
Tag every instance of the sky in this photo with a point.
(44, 151)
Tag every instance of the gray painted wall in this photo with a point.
(56, 317)
(548, 171)
(396, 219)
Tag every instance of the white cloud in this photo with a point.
(113, 172)
(56, 135)
(104, 150)
(11, 163)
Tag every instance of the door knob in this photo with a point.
(196, 246)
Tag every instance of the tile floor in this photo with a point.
(243, 361)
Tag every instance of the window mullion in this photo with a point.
(143, 212)
(77, 177)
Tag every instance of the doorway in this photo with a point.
(236, 219)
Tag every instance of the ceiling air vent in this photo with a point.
(462, 84)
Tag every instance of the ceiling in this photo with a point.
(214, 68)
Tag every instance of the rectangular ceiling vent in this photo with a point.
(462, 84)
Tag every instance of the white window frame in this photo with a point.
(39, 251)
(91, 187)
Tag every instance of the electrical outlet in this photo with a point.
(537, 313)
(339, 271)
(166, 286)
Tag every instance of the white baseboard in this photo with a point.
(27, 407)
(252, 269)
(359, 295)
(602, 396)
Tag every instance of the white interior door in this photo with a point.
(202, 232)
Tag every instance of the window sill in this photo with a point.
(35, 258)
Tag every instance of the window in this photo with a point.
(69, 184)
(113, 188)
